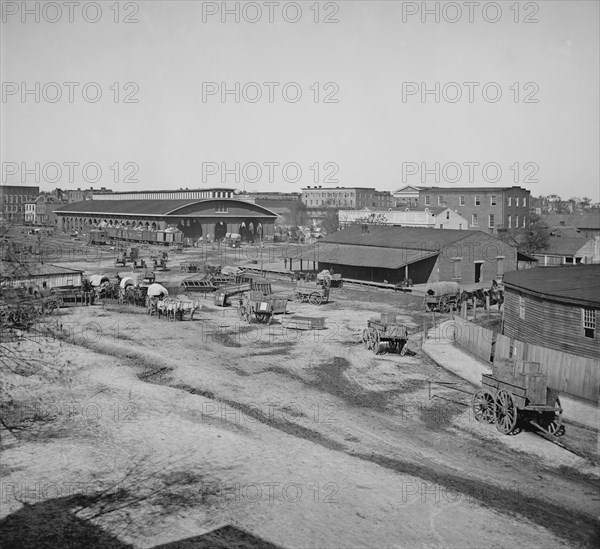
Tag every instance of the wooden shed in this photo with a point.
(554, 307)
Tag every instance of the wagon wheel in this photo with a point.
(484, 407)
(315, 299)
(444, 305)
(404, 348)
(298, 297)
(260, 317)
(366, 337)
(376, 341)
(553, 421)
(506, 412)
(242, 312)
(326, 283)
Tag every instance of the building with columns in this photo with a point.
(195, 218)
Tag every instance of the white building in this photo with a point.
(433, 218)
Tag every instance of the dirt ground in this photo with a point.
(127, 430)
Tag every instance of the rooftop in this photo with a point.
(25, 270)
(581, 221)
(475, 189)
(562, 245)
(399, 237)
(577, 284)
(145, 207)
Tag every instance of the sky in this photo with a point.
(276, 96)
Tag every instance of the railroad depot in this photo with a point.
(210, 218)
(378, 253)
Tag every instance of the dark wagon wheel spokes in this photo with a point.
(484, 407)
(506, 412)
(366, 338)
(315, 299)
(444, 305)
(553, 421)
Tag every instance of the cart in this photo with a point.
(385, 329)
(315, 295)
(328, 280)
(256, 305)
(442, 297)
(516, 393)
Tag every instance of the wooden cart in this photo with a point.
(315, 295)
(256, 305)
(328, 280)
(442, 297)
(385, 329)
(515, 393)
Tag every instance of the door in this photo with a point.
(478, 272)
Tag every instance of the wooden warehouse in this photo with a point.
(378, 253)
(554, 307)
(39, 275)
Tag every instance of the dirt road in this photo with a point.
(305, 439)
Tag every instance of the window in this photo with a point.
(477, 200)
(461, 200)
(522, 307)
(524, 222)
(491, 225)
(474, 222)
(428, 201)
(517, 221)
(588, 317)
(447, 214)
(493, 200)
(440, 200)
(510, 200)
(516, 200)
(499, 266)
(221, 207)
(457, 268)
(509, 218)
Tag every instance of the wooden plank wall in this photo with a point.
(575, 375)
(473, 338)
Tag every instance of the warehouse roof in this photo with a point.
(563, 246)
(357, 256)
(577, 284)
(407, 238)
(146, 207)
(26, 270)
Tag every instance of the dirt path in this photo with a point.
(325, 403)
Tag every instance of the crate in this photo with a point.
(388, 318)
(305, 322)
(504, 370)
(536, 387)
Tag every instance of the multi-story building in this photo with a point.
(433, 218)
(488, 209)
(13, 199)
(319, 200)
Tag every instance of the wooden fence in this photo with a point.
(571, 374)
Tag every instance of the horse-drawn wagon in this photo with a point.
(515, 393)
(442, 296)
(315, 295)
(385, 329)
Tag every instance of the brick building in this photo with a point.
(487, 209)
(13, 199)
(319, 200)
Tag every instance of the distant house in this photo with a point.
(377, 253)
(555, 308)
(38, 274)
(588, 224)
(569, 251)
(407, 195)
